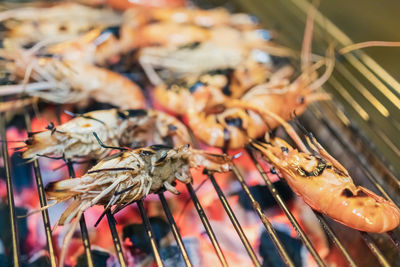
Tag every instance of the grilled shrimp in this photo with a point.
(31, 25)
(222, 48)
(325, 184)
(62, 81)
(101, 44)
(223, 121)
(229, 128)
(74, 139)
(129, 177)
(208, 89)
(214, 87)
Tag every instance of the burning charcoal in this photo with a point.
(2, 173)
(264, 197)
(21, 172)
(171, 255)
(137, 234)
(271, 256)
(5, 260)
(99, 259)
(43, 261)
(5, 234)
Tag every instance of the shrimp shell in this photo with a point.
(129, 177)
(325, 184)
(62, 81)
(147, 169)
(75, 138)
(332, 191)
(31, 25)
(204, 18)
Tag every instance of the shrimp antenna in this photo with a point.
(50, 157)
(296, 120)
(119, 208)
(105, 146)
(73, 162)
(310, 135)
(100, 217)
(255, 141)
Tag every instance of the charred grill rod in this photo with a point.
(82, 224)
(267, 224)
(10, 196)
(234, 221)
(43, 201)
(207, 225)
(115, 237)
(150, 234)
(174, 229)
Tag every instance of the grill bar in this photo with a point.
(234, 221)
(82, 224)
(115, 237)
(290, 216)
(10, 196)
(378, 157)
(150, 234)
(338, 87)
(267, 224)
(335, 239)
(383, 164)
(43, 201)
(375, 250)
(174, 229)
(207, 225)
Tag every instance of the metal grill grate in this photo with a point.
(328, 117)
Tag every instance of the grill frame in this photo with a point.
(366, 66)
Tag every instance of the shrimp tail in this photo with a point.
(62, 189)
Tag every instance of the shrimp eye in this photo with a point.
(50, 126)
(62, 28)
(302, 100)
(146, 153)
(172, 127)
(195, 86)
(284, 149)
(236, 122)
